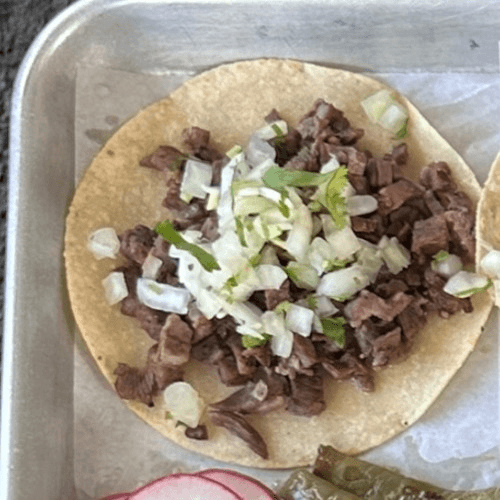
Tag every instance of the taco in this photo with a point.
(231, 102)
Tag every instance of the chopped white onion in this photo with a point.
(184, 403)
(282, 344)
(375, 105)
(163, 297)
(331, 165)
(213, 197)
(464, 284)
(394, 117)
(448, 266)
(300, 235)
(104, 243)
(270, 131)
(490, 263)
(343, 241)
(299, 320)
(115, 287)
(258, 151)
(324, 307)
(303, 275)
(151, 266)
(369, 259)
(395, 255)
(270, 277)
(269, 256)
(273, 323)
(196, 178)
(361, 204)
(344, 283)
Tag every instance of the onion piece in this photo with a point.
(361, 205)
(184, 403)
(270, 276)
(273, 323)
(299, 320)
(331, 165)
(151, 266)
(115, 287)
(258, 151)
(324, 307)
(394, 118)
(163, 297)
(197, 176)
(272, 130)
(464, 284)
(490, 263)
(104, 243)
(343, 241)
(447, 266)
(376, 104)
(344, 283)
(282, 344)
(303, 275)
(395, 255)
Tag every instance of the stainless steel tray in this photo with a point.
(146, 37)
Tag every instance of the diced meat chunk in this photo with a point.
(348, 367)
(238, 426)
(394, 195)
(387, 348)
(307, 397)
(199, 433)
(461, 226)
(136, 243)
(165, 158)
(437, 176)
(368, 304)
(276, 296)
(175, 341)
(430, 235)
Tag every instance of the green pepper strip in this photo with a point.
(372, 482)
(304, 485)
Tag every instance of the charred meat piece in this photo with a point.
(146, 383)
(387, 348)
(199, 433)
(202, 326)
(136, 243)
(437, 176)
(433, 203)
(365, 224)
(303, 160)
(197, 140)
(262, 354)
(348, 367)
(237, 425)
(394, 195)
(208, 349)
(210, 227)
(175, 341)
(389, 288)
(275, 297)
(307, 397)
(413, 318)
(246, 366)
(430, 235)
(165, 158)
(227, 369)
(367, 304)
(461, 226)
(445, 304)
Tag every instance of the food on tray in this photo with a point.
(286, 255)
(211, 484)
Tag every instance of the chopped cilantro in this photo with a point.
(240, 231)
(334, 201)
(283, 306)
(335, 264)
(333, 328)
(170, 234)
(312, 302)
(277, 178)
(285, 211)
(441, 255)
(248, 341)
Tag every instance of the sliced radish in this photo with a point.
(117, 496)
(184, 487)
(245, 486)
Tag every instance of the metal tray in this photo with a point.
(145, 37)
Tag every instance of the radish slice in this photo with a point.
(247, 487)
(184, 487)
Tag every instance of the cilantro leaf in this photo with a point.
(333, 328)
(170, 234)
(248, 341)
(277, 178)
(240, 231)
(312, 302)
(334, 201)
(441, 255)
(285, 211)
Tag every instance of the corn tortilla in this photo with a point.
(231, 101)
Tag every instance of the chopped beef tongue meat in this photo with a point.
(136, 243)
(197, 139)
(199, 433)
(165, 158)
(237, 425)
(307, 397)
(430, 235)
(349, 367)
